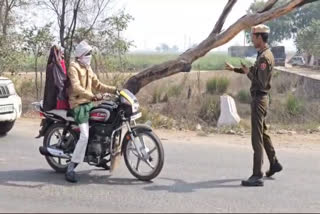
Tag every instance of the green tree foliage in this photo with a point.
(90, 20)
(37, 41)
(281, 28)
(11, 56)
(109, 40)
(308, 39)
(288, 26)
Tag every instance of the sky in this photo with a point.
(179, 22)
(173, 22)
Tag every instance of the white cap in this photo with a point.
(82, 48)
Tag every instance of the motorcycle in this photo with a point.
(141, 147)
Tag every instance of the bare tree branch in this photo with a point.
(12, 4)
(101, 8)
(215, 39)
(73, 22)
(268, 5)
(73, 29)
(54, 6)
(217, 28)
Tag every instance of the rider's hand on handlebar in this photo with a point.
(97, 97)
(118, 91)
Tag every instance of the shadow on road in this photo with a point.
(181, 186)
(36, 178)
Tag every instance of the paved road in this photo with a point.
(201, 175)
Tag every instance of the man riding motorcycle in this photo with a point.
(83, 80)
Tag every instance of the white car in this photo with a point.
(10, 105)
(297, 60)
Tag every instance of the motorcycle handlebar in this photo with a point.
(107, 96)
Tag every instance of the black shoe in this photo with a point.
(274, 168)
(71, 177)
(253, 181)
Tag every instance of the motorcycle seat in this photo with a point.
(64, 114)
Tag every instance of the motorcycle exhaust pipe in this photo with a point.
(53, 152)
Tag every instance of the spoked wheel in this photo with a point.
(149, 163)
(53, 139)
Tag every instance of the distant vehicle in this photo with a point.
(279, 55)
(250, 53)
(297, 61)
(10, 105)
(242, 51)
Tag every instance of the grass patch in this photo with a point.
(294, 105)
(174, 91)
(161, 94)
(216, 61)
(157, 120)
(244, 96)
(157, 95)
(217, 85)
(210, 109)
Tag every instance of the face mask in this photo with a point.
(85, 60)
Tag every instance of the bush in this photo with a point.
(26, 88)
(210, 110)
(217, 85)
(156, 95)
(244, 96)
(157, 120)
(161, 94)
(294, 105)
(174, 91)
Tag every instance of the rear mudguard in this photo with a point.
(45, 124)
(135, 129)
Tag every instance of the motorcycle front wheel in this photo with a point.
(148, 164)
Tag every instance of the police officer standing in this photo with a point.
(260, 75)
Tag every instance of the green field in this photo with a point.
(212, 61)
(135, 62)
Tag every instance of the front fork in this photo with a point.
(142, 151)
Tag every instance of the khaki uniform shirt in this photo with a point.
(261, 72)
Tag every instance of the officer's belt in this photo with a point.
(258, 94)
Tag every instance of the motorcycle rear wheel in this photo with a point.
(56, 131)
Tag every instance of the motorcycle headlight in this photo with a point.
(12, 90)
(135, 107)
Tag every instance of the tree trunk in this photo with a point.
(1, 13)
(36, 71)
(5, 20)
(72, 30)
(215, 39)
(62, 23)
(119, 50)
(41, 81)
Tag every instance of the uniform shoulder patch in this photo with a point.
(263, 66)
